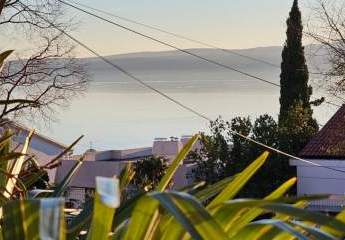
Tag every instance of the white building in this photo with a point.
(110, 163)
(327, 149)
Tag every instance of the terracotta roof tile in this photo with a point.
(329, 142)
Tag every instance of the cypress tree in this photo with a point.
(294, 71)
(296, 123)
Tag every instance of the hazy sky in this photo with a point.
(226, 23)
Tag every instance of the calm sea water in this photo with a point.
(117, 113)
(117, 119)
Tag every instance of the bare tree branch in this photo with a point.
(328, 28)
(35, 86)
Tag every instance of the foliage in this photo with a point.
(164, 214)
(295, 92)
(149, 172)
(223, 154)
(213, 155)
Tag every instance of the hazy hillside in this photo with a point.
(176, 71)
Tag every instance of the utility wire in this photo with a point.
(159, 29)
(180, 49)
(177, 35)
(195, 112)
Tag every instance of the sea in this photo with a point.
(118, 113)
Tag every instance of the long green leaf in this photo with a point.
(176, 163)
(283, 226)
(125, 210)
(33, 219)
(61, 188)
(287, 209)
(17, 167)
(144, 219)
(250, 215)
(267, 231)
(314, 231)
(144, 222)
(174, 230)
(213, 189)
(191, 215)
(340, 217)
(107, 199)
(236, 185)
(5, 145)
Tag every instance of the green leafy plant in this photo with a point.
(197, 212)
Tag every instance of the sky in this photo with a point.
(229, 24)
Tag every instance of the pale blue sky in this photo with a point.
(229, 24)
(226, 23)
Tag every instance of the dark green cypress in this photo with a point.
(296, 123)
(294, 71)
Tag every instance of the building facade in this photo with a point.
(325, 174)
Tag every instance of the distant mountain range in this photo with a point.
(177, 71)
(175, 60)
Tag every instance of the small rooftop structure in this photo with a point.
(117, 155)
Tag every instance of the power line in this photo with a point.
(159, 29)
(195, 112)
(180, 49)
(177, 35)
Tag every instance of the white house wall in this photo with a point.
(319, 180)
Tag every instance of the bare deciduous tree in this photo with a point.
(327, 27)
(47, 75)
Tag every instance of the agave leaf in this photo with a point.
(126, 176)
(144, 219)
(288, 229)
(125, 210)
(269, 231)
(33, 219)
(5, 144)
(314, 231)
(236, 185)
(176, 163)
(10, 156)
(191, 215)
(17, 167)
(193, 188)
(213, 189)
(107, 199)
(340, 217)
(250, 215)
(5, 141)
(63, 153)
(233, 186)
(289, 210)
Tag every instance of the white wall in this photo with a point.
(319, 180)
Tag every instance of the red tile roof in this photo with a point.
(329, 142)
